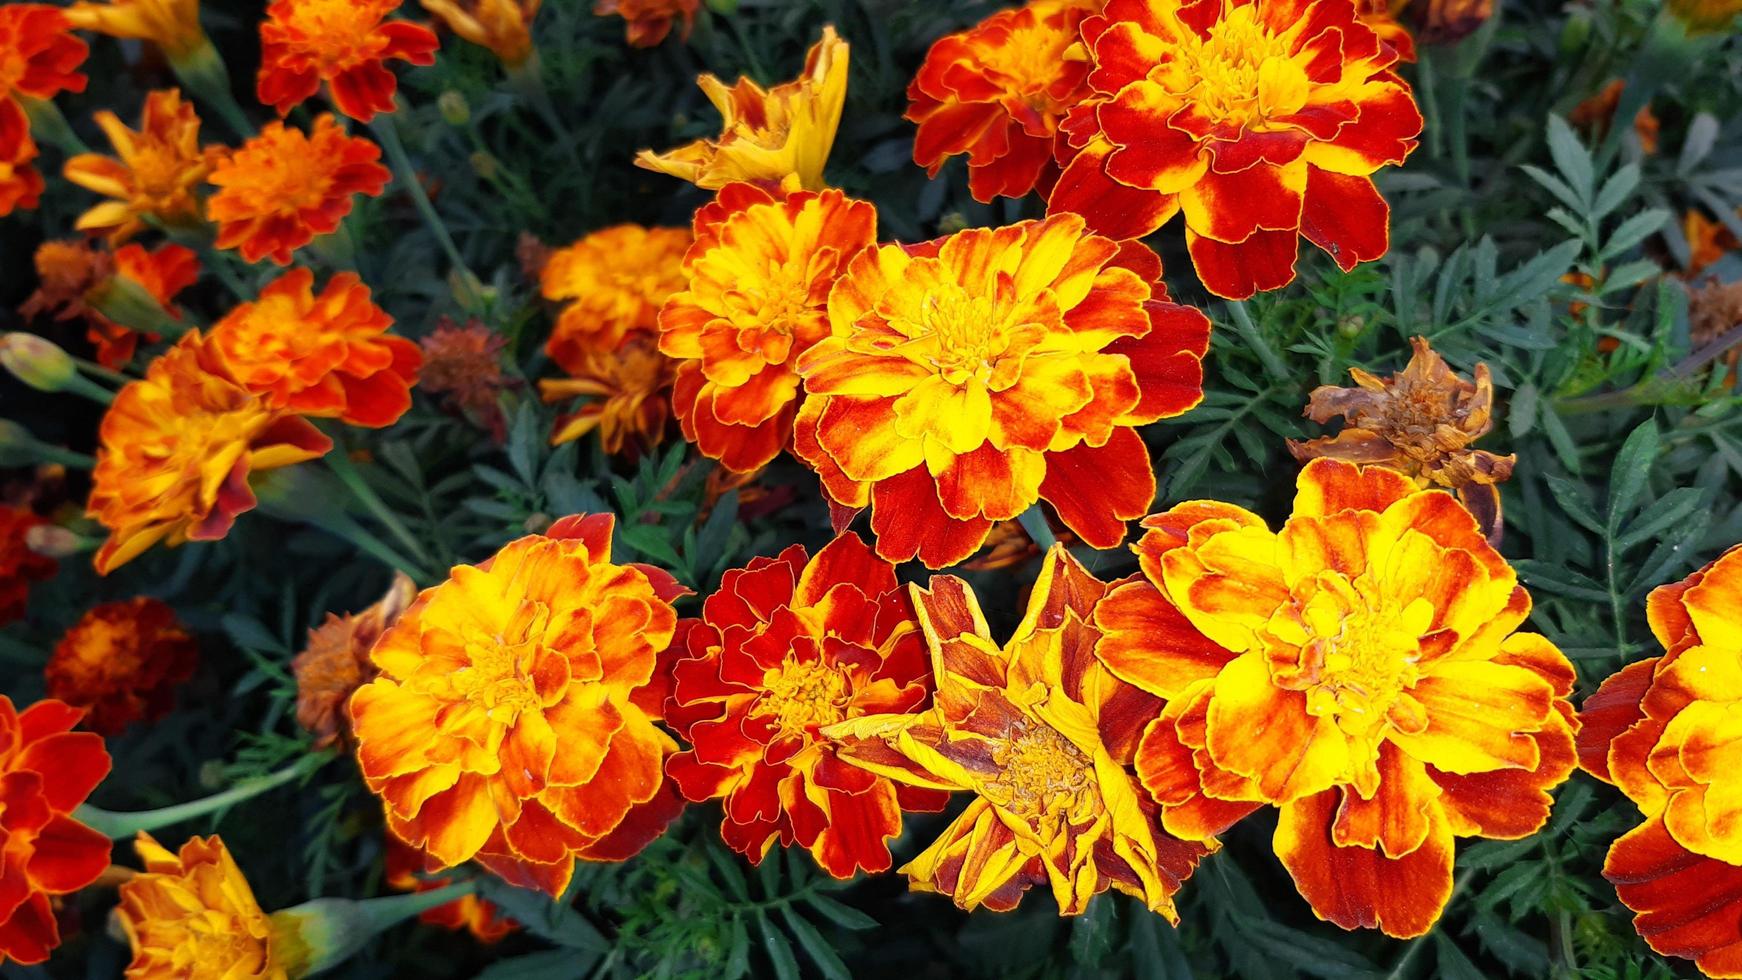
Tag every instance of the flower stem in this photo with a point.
(1248, 331)
(388, 134)
(47, 122)
(1033, 520)
(118, 826)
(202, 71)
(343, 468)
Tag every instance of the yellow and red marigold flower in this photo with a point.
(47, 769)
(335, 662)
(283, 187)
(326, 355)
(1381, 17)
(177, 450)
(547, 644)
(121, 663)
(38, 59)
(650, 20)
(19, 566)
(154, 173)
(785, 647)
(344, 43)
(1358, 670)
(172, 25)
(1708, 241)
(1262, 121)
(193, 916)
(968, 378)
(628, 396)
(1663, 730)
(767, 135)
(997, 92)
(503, 26)
(477, 916)
(614, 282)
(759, 279)
(1043, 736)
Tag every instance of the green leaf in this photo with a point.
(1660, 515)
(555, 921)
(248, 632)
(815, 947)
(1631, 232)
(844, 916)
(1310, 954)
(650, 540)
(1631, 469)
(779, 950)
(1571, 159)
(1453, 964)
(549, 964)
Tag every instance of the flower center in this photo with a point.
(802, 697)
(1358, 657)
(1028, 62)
(286, 177)
(1041, 769)
(336, 31)
(499, 678)
(216, 944)
(966, 332)
(1226, 74)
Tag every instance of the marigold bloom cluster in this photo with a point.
(193, 916)
(547, 644)
(38, 59)
(344, 44)
(155, 173)
(121, 663)
(47, 770)
(172, 25)
(966, 379)
(481, 918)
(503, 26)
(283, 187)
(1043, 736)
(1663, 731)
(649, 21)
(1359, 670)
(787, 646)
(19, 566)
(335, 661)
(1263, 122)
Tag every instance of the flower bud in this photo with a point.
(37, 362)
(55, 541)
(454, 108)
(484, 165)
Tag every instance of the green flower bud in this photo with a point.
(37, 362)
(454, 108)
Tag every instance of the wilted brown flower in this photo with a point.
(464, 366)
(630, 392)
(64, 271)
(1598, 111)
(336, 661)
(1448, 21)
(1419, 422)
(1714, 310)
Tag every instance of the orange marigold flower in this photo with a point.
(283, 187)
(503, 26)
(154, 173)
(1381, 17)
(20, 183)
(463, 364)
(759, 279)
(172, 25)
(336, 661)
(1598, 112)
(74, 279)
(614, 280)
(177, 449)
(650, 20)
(628, 391)
(968, 378)
(1419, 422)
(344, 43)
(1262, 121)
(48, 770)
(193, 916)
(1706, 16)
(547, 644)
(65, 270)
(324, 355)
(19, 565)
(481, 918)
(767, 135)
(1371, 644)
(38, 59)
(1663, 731)
(997, 93)
(785, 647)
(1708, 241)
(122, 662)
(1043, 736)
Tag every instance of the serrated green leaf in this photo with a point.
(1630, 471)
(814, 946)
(778, 948)
(842, 915)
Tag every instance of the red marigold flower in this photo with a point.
(966, 379)
(786, 646)
(283, 187)
(614, 281)
(759, 273)
(1261, 121)
(322, 355)
(1663, 731)
(1380, 16)
(546, 645)
(48, 770)
(344, 43)
(650, 20)
(122, 662)
(997, 93)
(481, 918)
(74, 277)
(19, 566)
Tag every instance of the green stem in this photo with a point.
(203, 73)
(118, 826)
(386, 132)
(1033, 520)
(47, 122)
(43, 452)
(343, 526)
(99, 371)
(1248, 331)
(528, 78)
(346, 471)
(78, 384)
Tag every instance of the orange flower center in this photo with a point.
(769, 313)
(1028, 62)
(217, 942)
(961, 334)
(1041, 771)
(157, 169)
(802, 697)
(499, 679)
(285, 176)
(1359, 652)
(336, 31)
(1241, 73)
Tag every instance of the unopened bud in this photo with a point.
(951, 223)
(454, 108)
(37, 362)
(55, 541)
(1352, 326)
(131, 305)
(484, 165)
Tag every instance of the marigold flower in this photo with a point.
(650, 20)
(967, 379)
(1358, 670)
(73, 276)
(1660, 729)
(323, 355)
(20, 184)
(1598, 112)
(1381, 17)
(614, 281)
(767, 134)
(193, 916)
(1708, 241)
(997, 92)
(481, 918)
(785, 647)
(154, 173)
(463, 364)
(548, 643)
(172, 25)
(48, 770)
(122, 662)
(628, 390)
(1042, 735)
(39, 59)
(1262, 122)
(759, 279)
(1705, 16)
(177, 449)
(503, 26)
(1450, 21)
(19, 565)
(336, 661)
(344, 43)
(1419, 422)
(283, 187)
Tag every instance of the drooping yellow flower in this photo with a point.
(767, 133)
(193, 916)
(172, 25)
(153, 174)
(503, 26)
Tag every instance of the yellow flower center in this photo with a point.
(337, 31)
(1042, 770)
(1028, 62)
(499, 678)
(216, 944)
(1241, 73)
(802, 697)
(1359, 656)
(967, 334)
(284, 177)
